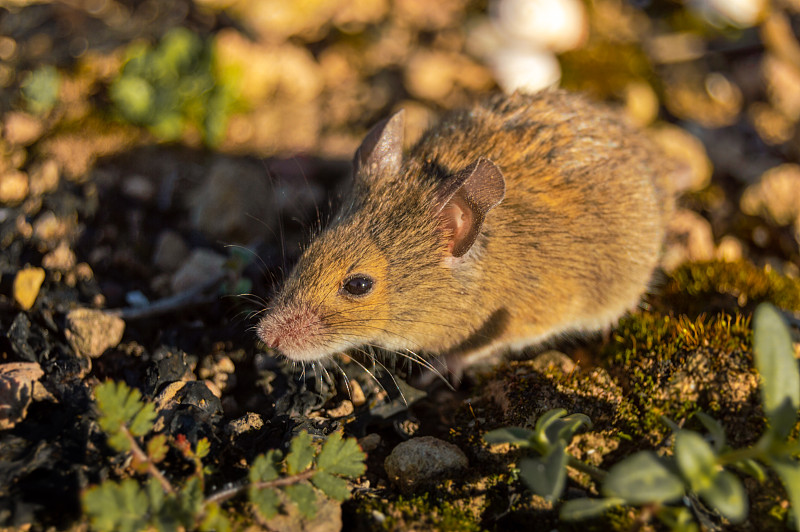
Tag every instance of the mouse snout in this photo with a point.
(294, 331)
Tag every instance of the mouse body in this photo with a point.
(508, 222)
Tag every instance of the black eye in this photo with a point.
(358, 285)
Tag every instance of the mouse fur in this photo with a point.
(508, 222)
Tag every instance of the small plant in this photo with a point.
(698, 465)
(40, 89)
(174, 85)
(274, 480)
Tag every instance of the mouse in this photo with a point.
(509, 222)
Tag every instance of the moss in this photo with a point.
(729, 286)
(673, 366)
(421, 513)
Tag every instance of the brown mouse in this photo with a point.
(509, 222)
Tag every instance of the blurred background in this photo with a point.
(220, 117)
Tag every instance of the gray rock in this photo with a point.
(171, 251)
(423, 461)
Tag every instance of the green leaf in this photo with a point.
(264, 468)
(643, 478)
(214, 519)
(565, 428)
(155, 494)
(696, 460)
(157, 448)
(301, 453)
(678, 519)
(203, 448)
(714, 428)
(341, 456)
(265, 500)
(546, 475)
(727, 495)
(333, 487)
(116, 507)
(304, 497)
(780, 377)
(134, 97)
(190, 501)
(752, 468)
(579, 509)
(40, 89)
(540, 437)
(513, 435)
(788, 471)
(142, 422)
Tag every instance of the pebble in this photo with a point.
(776, 196)
(26, 287)
(60, 259)
(44, 177)
(345, 408)
(17, 381)
(91, 332)
(689, 238)
(170, 251)
(202, 266)
(684, 147)
(13, 187)
(234, 203)
(138, 187)
(21, 128)
(423, 461)
(249, 422)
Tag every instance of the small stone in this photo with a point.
(138, 187)
(556, 25)
(48, 227)
(60, 259)
(689, 238)
(202, 266)
(44, 178)
(423, 461)
(776, 196)
(523, 69)
(357, 394)
(247, 423)
(345, 408)
(17, 382)
(13, 187)
(170, 252)
(21, 128)
(730, 249)
(91, 332)
(26, 287)
(684, 147)
(369, 442)
(234, 203)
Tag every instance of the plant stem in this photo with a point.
(140, 455)
(596, 473)
(224, 495)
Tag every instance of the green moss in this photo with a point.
(672, 366)
(421, 513)
(741, 284)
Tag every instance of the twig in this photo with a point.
(224, 495)
(140, 455)
(190, 297)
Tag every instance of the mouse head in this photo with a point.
(388, 270)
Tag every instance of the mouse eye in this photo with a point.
(358, 285)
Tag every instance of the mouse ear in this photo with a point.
(381, 152)
(464, 200)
